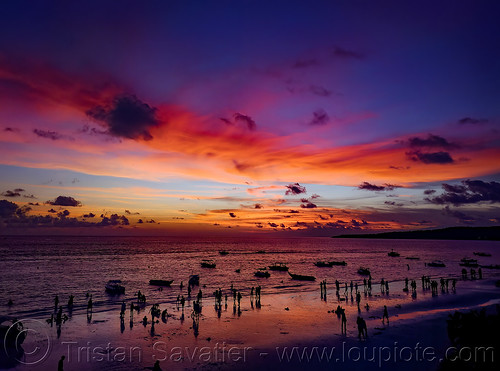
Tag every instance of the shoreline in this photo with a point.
(251, 332)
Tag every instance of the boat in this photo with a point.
(323, 264)
(412, 258)
(260, 252)
(468, 262)
(13, 335)
(491, 266)
(194, 280)
(343, 263)
(114, 287)
(436, 263)
(393, 253)
(262, 274)
(223, 252)
(364, 271)
(160, 282)
(278, 267)
(482, 254)
(469, 265)
(207, 263)
(237, 270)
(301, 277)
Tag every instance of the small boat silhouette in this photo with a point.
(161, 282)
(301, 277)
(278, 267)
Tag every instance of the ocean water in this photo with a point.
(35, 269)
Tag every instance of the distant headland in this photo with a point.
(451, 233)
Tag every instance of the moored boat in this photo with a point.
(364, 271)
(393, 253)
(114, 287)
(491, 266)
(262, 274)
(301, 277)
(436, 263)
(208, 263)
(323, 264)
(334, 262)
(161, 282)
(223, 252)
(278, 267)
(482, 254)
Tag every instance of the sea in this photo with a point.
(36, 269)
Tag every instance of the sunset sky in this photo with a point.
(224, 117)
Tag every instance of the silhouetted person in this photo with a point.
(10, 303)
(385, 315)
(343, 322)
(157, 367)
(123, 309)
(59, 315)
(362, 331)
(480, 272)
(70, 300)
(89, 305)
(364, 328)
(56, 302)
(60, 364)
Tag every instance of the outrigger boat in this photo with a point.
(364, 271)
(393, 253)
(467, 262)
(491, 266)
(278, 267)
(338, 263)
(165, 283)
(262, 274)
(482, 254)
(207, 263)
(323, 264)
(436, 263)
(300, 277)
(113, 287)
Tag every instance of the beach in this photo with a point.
(293, 326)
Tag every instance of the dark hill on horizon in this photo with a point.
(451, 233)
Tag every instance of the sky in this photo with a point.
(289, 117)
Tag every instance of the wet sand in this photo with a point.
(257, 337)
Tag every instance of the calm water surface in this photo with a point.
(35, 269)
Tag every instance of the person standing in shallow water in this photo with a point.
(343, 322)
(385, 315)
